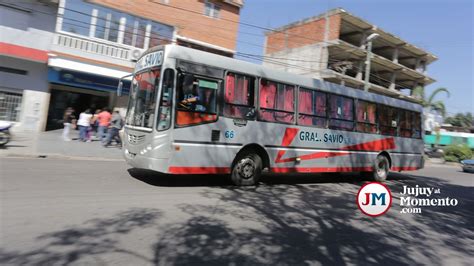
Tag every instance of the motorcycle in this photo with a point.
(5, 133)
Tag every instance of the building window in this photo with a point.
(365, 114)
(239, 96)
(135, 31)
(108, 23)
(312, 108)
(10, 106)
(388, 120)
(277, 102)
(13, 70)
(83, 18)
(341, 112)
(77, 17)
(160, 34)
(211, 9)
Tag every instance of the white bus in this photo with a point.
(193, 112)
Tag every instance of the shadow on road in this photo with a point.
(166, 180)
(279, 224)
(84, 242)
(317, 224)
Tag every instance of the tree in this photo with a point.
(461, 120)
(429, 103)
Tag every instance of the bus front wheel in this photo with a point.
(381, 168)
(247, 170)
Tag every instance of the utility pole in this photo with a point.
(369, 40)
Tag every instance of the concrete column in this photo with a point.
(360, 70)
(362, 40)
(393, 79)
(395, 54)
(418, 65)
(34, 110)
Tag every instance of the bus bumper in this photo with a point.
(139, 161)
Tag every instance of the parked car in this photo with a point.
(468, 165)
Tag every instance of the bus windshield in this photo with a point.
(142, 104)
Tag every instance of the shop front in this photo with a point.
(81, 91)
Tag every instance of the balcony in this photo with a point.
(95, 49)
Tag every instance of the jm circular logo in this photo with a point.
(374, 199)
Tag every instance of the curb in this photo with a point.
(57, 156)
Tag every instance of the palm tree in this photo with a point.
(430, 104)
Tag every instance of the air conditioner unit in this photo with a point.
(135, 54)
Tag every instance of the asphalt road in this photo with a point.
(79, 212)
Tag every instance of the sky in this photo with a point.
(441, 27)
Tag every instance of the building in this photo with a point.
(26, 31)
(72, 53)
(332, 46)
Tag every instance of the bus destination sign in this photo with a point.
(149, 60)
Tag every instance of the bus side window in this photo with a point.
(312, 108)
(341, 115)
(365, 114)
(388, 120)
(406, 123)
(416, 125)
(239, 96)
(196, 100)
(277, 103)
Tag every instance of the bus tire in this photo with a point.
(381, 168)
(247, 170)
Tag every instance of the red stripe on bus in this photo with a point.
(199, 170)
(316, 155)
(404, 168)
(376, 145)
(290, 134)
(319, 169)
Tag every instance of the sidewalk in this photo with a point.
(50, 144)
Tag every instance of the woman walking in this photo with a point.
(68, 121)
(84, 123)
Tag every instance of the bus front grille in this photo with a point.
(135, 139)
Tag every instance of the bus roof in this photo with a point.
(235, 65)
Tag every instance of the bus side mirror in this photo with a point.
(119, 89)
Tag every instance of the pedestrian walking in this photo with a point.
(84, 123)
(104, 122)
(95, 124)
(69, 122)
(116, 124)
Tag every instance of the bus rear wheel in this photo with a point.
(381, 168)
(247, 170)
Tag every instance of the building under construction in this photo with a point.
(332, 46)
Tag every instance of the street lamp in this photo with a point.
(369, 40)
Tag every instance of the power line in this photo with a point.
(250, 56)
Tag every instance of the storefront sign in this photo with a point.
(86, 80)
